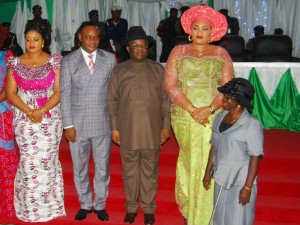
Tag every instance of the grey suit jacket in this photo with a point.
(234, 147)
(83, 96)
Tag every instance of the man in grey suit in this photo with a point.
(84, 80)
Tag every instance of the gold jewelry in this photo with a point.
(190, 38)
(42, 46)
(43, 110)
(247, 188)
(232, 121)
(200, 52)
(34, 64)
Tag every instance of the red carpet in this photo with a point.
(278, 200)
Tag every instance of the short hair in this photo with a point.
(93, 12)
(259, 27)
(278, 31)
(225, 11)
(36, 7)
(86, 24)
(173, 10)
(36, 28)
(6, 24)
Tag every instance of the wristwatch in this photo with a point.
(211, 109)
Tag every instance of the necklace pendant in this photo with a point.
(34, 64)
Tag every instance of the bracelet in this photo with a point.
(249, 189)
(193, 109)
(211, 109)
(43, 110)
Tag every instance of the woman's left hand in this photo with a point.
(37, 115)
(244, 197)
(206, 181)
(201, 115)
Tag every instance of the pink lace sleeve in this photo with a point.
(10, 60)
(227, 71)
(55, 61)
(171, 79)
(227, 74)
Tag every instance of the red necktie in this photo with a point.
(91, 63)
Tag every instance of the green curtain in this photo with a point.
(8, 8)
(283, 110)
(7, 11)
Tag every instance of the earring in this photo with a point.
(190, 38)
(42, 46)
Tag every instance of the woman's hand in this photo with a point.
(245, 195)
(201, 115)
(206, 181)
(36, 115)
(31, 116)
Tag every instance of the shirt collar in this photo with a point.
(113, 22)
(86, 54)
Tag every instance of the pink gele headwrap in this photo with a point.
(205, 13)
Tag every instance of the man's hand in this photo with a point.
(115, 136)
(70, 134)
(165, 135)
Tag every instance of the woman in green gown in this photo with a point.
(193, 73)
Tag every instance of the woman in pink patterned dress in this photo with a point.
(8, 152)
(33, 89)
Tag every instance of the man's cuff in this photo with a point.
(68, 127)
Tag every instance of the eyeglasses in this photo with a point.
(135, 46)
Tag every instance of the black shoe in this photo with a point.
(102, 214)
(149, 219)
(82, 213)
(130, 217)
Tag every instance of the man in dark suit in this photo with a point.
(233, 23)
(115, 31)
(166, 30)
(83, 90)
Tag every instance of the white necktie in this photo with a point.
(91, 63)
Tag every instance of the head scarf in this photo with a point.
(216, 20)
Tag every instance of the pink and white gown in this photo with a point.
(39, 193)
